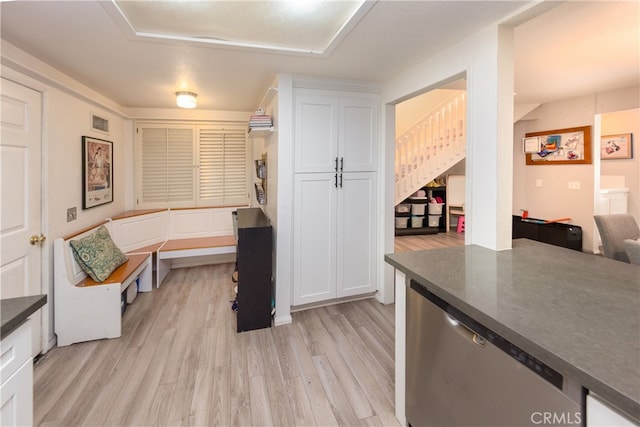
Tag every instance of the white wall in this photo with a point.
(284, 208)
(486, 59)
(67, 108)
(627, 121)
(554, 199)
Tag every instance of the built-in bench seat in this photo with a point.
(171, 234)
(85, 309)
(120, 274)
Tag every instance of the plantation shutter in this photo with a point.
(166, 166)
(223, 166)
(188, 165)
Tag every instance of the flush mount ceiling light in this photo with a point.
(186, 99)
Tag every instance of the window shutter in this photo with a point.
(180, 164)
(166, 165)
(223, 166)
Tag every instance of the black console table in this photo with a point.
(254, 270)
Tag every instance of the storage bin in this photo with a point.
(417, 221)
(132, 292)
(418, 209)
(402, 222)
(435, 208)
(403, 208)
(434, 220)
(123, 303)
(414, 199)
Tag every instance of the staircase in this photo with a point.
(434, 144)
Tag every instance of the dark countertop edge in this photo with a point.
(622, 402)
(16, 310)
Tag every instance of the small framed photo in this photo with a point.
(616, 147)
(531, 145)
(97, 172)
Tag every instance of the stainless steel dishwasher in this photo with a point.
(460, 373)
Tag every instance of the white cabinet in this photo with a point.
(356, 236)
(334, 236)
(600, 414)
(335, 132)
(334, 199)
(613, 201)
(16, 372)
(314, 237)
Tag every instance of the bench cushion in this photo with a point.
(97, 255)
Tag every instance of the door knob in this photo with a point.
(37, 239)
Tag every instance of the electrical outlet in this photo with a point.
(71, 214)
(574, 185)
(538, 183)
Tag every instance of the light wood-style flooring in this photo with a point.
(428, 241)
(180, 362)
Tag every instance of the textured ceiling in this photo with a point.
(303, 26)
(89, 41)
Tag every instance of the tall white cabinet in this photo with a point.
(334, 200)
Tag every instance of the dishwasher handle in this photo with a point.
(463, 330)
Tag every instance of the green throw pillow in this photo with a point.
(97, 255)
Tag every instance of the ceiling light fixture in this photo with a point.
(186, 99)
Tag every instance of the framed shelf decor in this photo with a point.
(616, 147)
(571, 146)
(97, 172)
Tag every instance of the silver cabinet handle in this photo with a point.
(341, 163)
(340, 180)
(336, 164)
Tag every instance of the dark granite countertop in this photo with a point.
(14, 311)
(577, 312)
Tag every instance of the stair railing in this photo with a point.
(431, 146)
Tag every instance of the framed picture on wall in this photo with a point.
(569, 146)
(616, 147)
(97, 172)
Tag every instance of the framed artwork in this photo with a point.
(571, 146)
(616, 147)
(97, 172)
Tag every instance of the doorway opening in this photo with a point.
(430, 153)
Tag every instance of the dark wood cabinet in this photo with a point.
(255, 289)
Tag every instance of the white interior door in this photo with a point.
(20, 153)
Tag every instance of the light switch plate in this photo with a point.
(72, 214)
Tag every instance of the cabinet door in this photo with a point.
(314, 231)
(358, 146)
(316, 133)
(356, 237)
(16, 403)
(600, 414)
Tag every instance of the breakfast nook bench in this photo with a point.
(86, 309)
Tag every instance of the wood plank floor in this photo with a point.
(428, 241)
(180, 362)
